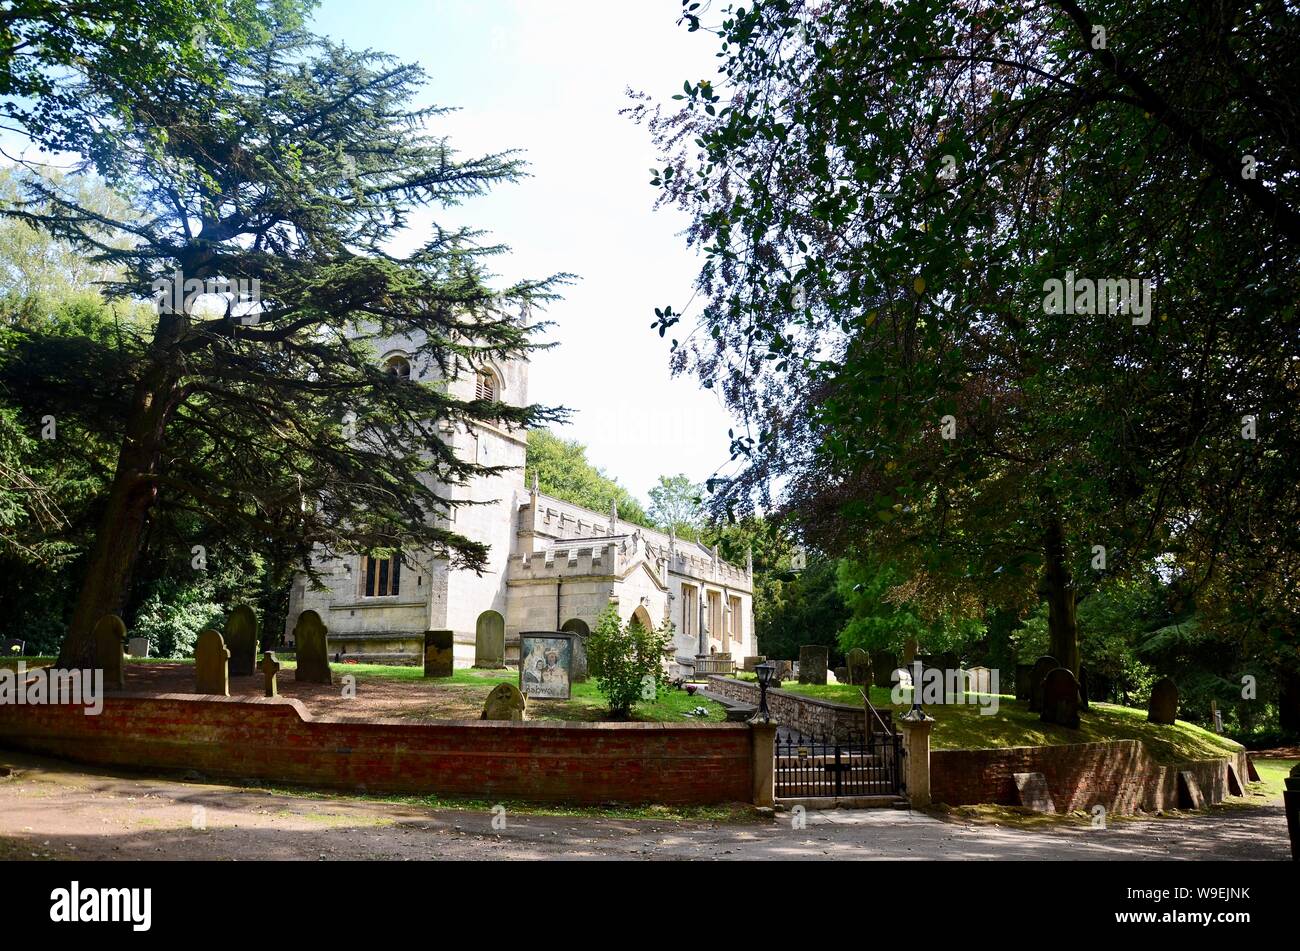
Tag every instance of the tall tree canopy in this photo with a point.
(272, 416)
(563, 471)
(884, 192)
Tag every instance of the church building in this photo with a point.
(551, 566)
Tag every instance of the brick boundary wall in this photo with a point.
(277, 740)
(1120, 775)
(805, 714)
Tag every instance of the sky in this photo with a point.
(549, 78)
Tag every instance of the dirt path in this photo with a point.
(52, 810)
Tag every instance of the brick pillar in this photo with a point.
(916, 741)
(762, 736)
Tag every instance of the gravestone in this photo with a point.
(752, 662)
(1042, 667)
(1083, 687)
(1252, 773)
(1234, 781)
(579, 673)
(883, 665)
(489, 643)
(138, 647)
(1189, 791)
(110, 644)
(781, 670)
(211, 664)
(1061, 699)
(1023, 679)
(309, 636)
(1163, 707)
(841, 675)
(812, 664)
(439, 654)
(859, 667)
(241, 641)
(270, 669)
(505, 702)
(1032, 790)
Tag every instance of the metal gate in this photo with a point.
(811, 767)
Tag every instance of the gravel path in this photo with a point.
(49, 809)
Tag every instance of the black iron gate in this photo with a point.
(811, 767)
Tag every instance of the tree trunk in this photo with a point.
(1062, 606)
(121, 530)
(1288, 701)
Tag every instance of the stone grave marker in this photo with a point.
(505, 702)
(270, 671)
(1024, 674)
(1042, 667)
(309, 635)
(1234, 781)
(781, 670)
(110, 644)
(841, 675)
(1061, 699)
(883, 665)
(1033, 792)
(579, 673)
(751, 662)
(138, 647)
(489, 644)
(1252, 773)
(1189, 791)
(812, 664)
(1163, 707)
(439, 654)
(211, 664)
(241, 641)
(859, 667)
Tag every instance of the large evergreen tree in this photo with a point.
(272, 417)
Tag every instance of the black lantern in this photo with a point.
(764, 673)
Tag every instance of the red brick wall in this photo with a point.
(277, 740)
(1120, 775)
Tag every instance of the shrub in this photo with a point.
(627, 661)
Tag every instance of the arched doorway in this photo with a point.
(490, 641)
(575, 625)
(642, 616)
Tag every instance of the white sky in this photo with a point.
(549, 78)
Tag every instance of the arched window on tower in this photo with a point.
(486, 387)
(398, 366)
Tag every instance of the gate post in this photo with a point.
(916, 740)
(762, 741)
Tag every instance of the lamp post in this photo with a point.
(764, 673)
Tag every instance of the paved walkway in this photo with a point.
(49, 809)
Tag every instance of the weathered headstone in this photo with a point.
(309, 636)
(579, 673)
(1083, 687)
(505, 702)
(270, 669)
(752, 662)
(110, 644)
(1189, 791)
(241, 641)
(439, 654)
(812, 664)
(1024, 674)
(138, 647)
(781, 670)
(1234, 781)
(1163, 707)
(1042, 667)
(1061, 699)
(1033, 792)
(883, 665)
(211, 664)
(841, 675)
(489, 643)
(859, 667)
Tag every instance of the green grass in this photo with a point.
(963, 727)
(1272, 772)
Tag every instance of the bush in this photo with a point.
(172, 617)
(627, 662)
